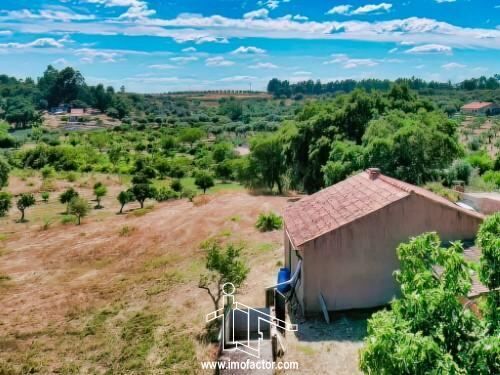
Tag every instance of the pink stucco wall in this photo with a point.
(353, 266)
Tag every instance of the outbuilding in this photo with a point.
(345, 237)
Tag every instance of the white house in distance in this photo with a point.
(345, 237)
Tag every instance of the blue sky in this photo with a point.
(170, 45)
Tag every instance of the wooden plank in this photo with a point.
(324, 308)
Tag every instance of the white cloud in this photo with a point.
(453, 65)
(445, 1)
(301, 73)
(299, 17)
(430, 49)
(256, 14)
(5, 32)
(263, 65)
(393, 50)
(189, 49)
(183, 60)
(271, 4)
(38, 43)
(61, 14)
(162, 66)
(248, 50)
(340, 9)
(237, 79)
(218, 61)
(349, 63)
(89, 56)
(137, 9)
(370, 8)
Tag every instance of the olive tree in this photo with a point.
(25, 200)
(224, 265)
(100, 191)
(124, 197)
(5, 203)
(67, 196)
(204, 180)
(79, 207)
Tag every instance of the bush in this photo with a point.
(481, 160)
(268, 222)
(164, 194)
(492, 177)
(176, 185)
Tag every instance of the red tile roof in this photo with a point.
(347, 201)
(476, 105)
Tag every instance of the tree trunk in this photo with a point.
(22, 215)
(79, 217)
(142, 204)
(121, 209)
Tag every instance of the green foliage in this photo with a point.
(481, 160)
(24, 201)
(427, 330)
(191, 135)
(100, 191)
(204, 180)
(492, 177)
(45, 196)
(79, 207)
(165, 193)
(138, 335)
(5, 203)
(460, 170)
(142, 189)
(224, 265)
(4, 172)
(439, 189)
(232, 108)
(67, 196)
(176, 185)
(269, 222)
(125, 197)
(488, 239)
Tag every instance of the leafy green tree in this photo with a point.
(25, 200)
(204, 180)
(125, 197)
(267, 161)
(45, 196)
(232, 108)
(100, 191)
(4, 172)
(428, 330)
(345, 158)
(142, 189)
(67, 196)
(176, 185)
(191, 135)
(488, 239)
(79, 207)
(223, 266)
(5, 203)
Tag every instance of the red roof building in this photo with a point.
(477, 107)
(346, 237)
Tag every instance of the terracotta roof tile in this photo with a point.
(476, 105)
(347, 201)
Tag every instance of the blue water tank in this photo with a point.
(283, 275)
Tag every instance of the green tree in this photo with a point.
(4, 172)
(488, 239)
(142, 189)
(204, 180)
(5, 203)
(25, 200)
(100, 191)
(67, 196)
(223, 266)
(125, 197)
(267, 161)
(79, 207)
(45, 196)
(428, 330)
(191, 135)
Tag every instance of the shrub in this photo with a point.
(47, 172)
(79, 207)
(481, 160)
(164, 194)
(45, 196)
(268, 222)
(176, 185)
(492, 177)
(5, 203)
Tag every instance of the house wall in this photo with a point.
(353, 266)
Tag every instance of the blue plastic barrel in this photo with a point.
(283, 275)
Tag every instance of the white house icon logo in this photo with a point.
(243, 327)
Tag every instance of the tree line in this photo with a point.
(287, 89)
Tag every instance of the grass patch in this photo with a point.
(160, 261)
(68, 219)
(307, 350)
(439, 189)
(97, 322)
(126, 231)
(167, 280)
(138, 337)
(264, 247)
(141, 211)
(180, 355)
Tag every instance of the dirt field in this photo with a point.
(488, 126)
(119, 293)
